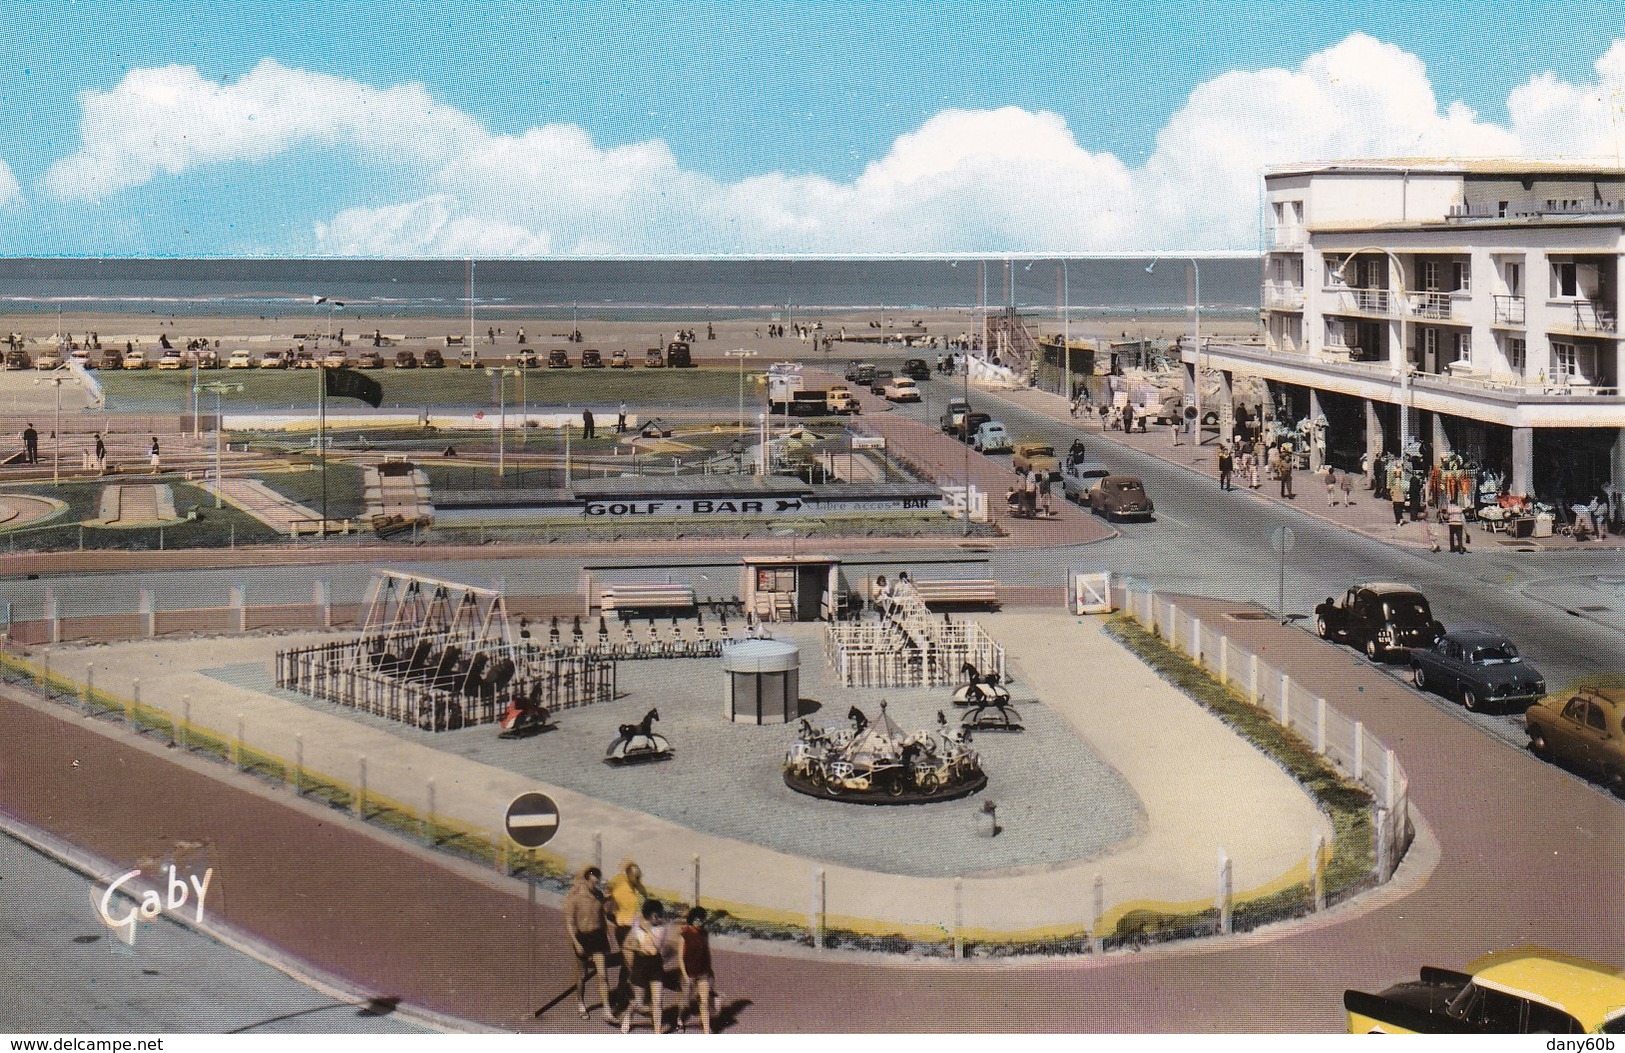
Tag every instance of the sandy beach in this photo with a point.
(606, 333)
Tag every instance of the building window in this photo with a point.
(1464, 347)
(1565, 279)
(1464, 276)
(1501, 209)
(1430, 276)
(1517, 354)
(1514, 273)
(1562, 358)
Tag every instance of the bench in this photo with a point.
(653, 595)
(959, 592)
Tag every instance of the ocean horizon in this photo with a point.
(724, 287)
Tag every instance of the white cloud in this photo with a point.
(1006, 179)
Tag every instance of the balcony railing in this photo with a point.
(1287, 239)
(1282, 297)
(1535, 210)
(1365, 301)
(1509, 310)
(1439, 306)
(1593, 317)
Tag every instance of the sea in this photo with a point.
(626, 289)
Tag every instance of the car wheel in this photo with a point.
(1322, 630)
(1420, 677)
(1469, 699)
(1537, 744)
(1616, 782)
(1372, 651)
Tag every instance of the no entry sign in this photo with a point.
(532, 819)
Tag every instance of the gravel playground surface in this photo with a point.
(1057, 801)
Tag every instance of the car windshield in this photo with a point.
(1125, 487)
(1496, 654)
(1407, 610)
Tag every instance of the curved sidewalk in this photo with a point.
(1267, 830)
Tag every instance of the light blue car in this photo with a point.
(991, 438)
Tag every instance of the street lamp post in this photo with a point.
(1066, 332)
(218, 388)
(1401, 360)
(501, 375)
(741, 354)
(56, 433)
(1196, 303)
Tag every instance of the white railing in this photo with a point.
(1340, 739)
(1282, 296)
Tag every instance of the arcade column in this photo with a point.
(1227, 406)
(1523, 461)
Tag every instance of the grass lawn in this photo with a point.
(645, 391)
(344, 486)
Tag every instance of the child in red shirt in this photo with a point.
(695, 965)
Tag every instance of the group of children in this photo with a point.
(654, 954)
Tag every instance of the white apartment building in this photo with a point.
(1470, 308)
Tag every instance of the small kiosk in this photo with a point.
(764, 681)
(792, 588)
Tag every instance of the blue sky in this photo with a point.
(733, 127)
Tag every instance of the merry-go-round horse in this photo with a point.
(638, 742)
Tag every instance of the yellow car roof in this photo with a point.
(1589, 991)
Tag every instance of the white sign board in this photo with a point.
(1092, 593)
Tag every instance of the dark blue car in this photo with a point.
(1480, 669)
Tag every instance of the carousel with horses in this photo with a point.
(879, 763)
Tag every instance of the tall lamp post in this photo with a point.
(56, 431)
(218, 388)
(1066, 332)
(1196, 303)
(741, 354)
(501, 375)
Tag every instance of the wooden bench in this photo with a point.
(651, 595)
(959, 592)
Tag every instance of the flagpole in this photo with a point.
(321, 441)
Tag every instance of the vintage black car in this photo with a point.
(916, 369)
(591, 359)
(558, 358)
(1481, 669)
(405, 360)
(433, 359)
(1382, 617)
(1120, 497)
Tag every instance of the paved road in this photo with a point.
(1207, 542)
(450, 938)
(62, 970)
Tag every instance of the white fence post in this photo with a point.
(186, 721)
(149, 613)
(1381, 833)
(815, 913)
(1286, 701)
(1224, 661)
(1320, 725)
(1196, 641)
(695, 902)
(237, 745)
(1317, 878)
(299, 765)
(959, 917)
(53, 615)
(428, 812)
(598, 850)
(1253, 694)
(1097, 941)
(1223, 899)
(1359, 751)
(239, 604)
(361, 787)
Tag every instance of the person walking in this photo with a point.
(30, 445)
(1284, 467)
(1396, 494)
(645, 955)
(587, 430)
(1227, 465)
(101, 454)
(1044, 492)
(699, 982)
(1456, 520)
(1416, 489)
(626, 896)
(1128, 418)
(1346, 482)
(1331, 487)
(585, 924)
(620, 420)
(152, 455)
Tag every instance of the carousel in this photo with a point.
(879, 763)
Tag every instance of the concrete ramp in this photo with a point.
(137, 504)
